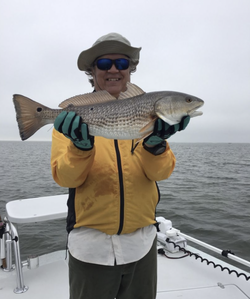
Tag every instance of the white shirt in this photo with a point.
(93, 246)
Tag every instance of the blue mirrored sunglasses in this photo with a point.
(105, 64)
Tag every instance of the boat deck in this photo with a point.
(177, 278)
(190, 278)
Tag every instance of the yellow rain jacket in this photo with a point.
(111, 188)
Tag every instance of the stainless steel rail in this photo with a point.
(11, 238)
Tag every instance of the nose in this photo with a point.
(113, 69)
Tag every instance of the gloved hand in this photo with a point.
(163, 130)
(72, 127)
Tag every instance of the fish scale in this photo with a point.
(121, 119)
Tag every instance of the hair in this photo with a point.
(89, 72)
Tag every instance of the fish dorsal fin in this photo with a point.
(101, 96)
(132, 91)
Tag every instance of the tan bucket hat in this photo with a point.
(112, 43)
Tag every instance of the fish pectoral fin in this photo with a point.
(167, 120)
(143, 137)
(149, 126)
(132, 91)
(101, 96)
(146, 130)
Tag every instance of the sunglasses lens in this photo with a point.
(105, 64)
(122, 64)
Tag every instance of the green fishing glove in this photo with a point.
(72, 127)
(163, 130)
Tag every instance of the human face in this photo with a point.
(113, 80)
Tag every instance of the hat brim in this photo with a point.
(87, 57)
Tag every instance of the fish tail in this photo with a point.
(28, 115)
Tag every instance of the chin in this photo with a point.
(115, 90)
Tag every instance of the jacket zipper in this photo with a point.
(119, 165)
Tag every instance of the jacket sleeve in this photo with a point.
(69, 165)
(158, 168)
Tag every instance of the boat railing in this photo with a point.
(6, 247)
(225, 253)
(10, 238)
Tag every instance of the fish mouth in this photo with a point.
(196, 112)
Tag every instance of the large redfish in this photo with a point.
(131, 116)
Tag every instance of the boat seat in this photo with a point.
(37, 209)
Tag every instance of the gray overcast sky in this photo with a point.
(201, 47)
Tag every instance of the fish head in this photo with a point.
(173, 106)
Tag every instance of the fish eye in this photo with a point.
(39, 109)
(188, 100)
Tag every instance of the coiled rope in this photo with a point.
(189, 253)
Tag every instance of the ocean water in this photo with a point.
(207, 196)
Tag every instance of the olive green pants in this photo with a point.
(130, 281)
